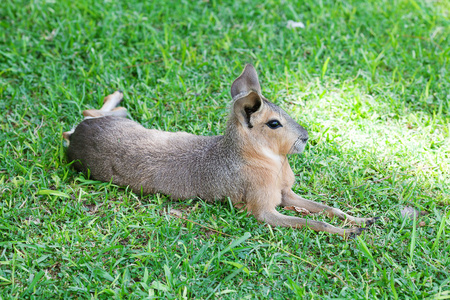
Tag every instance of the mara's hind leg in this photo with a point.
(109, 108)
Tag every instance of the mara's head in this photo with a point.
(263, 125)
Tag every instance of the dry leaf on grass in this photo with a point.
(412, 213)
(182, 210)
(175, 212)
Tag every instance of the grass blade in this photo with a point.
(441, 229)
(413, 244)
(365, 250)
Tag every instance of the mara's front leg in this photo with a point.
(275, 218)
(289, 198)
(262, 205)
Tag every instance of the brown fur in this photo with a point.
(248, 163)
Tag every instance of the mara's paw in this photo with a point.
(352, 233)
(371, 221)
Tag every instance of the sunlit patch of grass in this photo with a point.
(411, 142)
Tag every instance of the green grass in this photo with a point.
(369, 79)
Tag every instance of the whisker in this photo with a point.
(293, 145)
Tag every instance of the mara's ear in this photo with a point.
(247, 105)
(246, 82)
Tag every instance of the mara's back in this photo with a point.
(180, 164)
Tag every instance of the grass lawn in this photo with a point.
(369, 79)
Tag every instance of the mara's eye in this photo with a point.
(274, 124)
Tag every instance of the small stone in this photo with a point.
(292, 24)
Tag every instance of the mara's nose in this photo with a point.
(304, 134)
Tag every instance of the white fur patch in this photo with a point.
(68, 134)
(270, 154)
